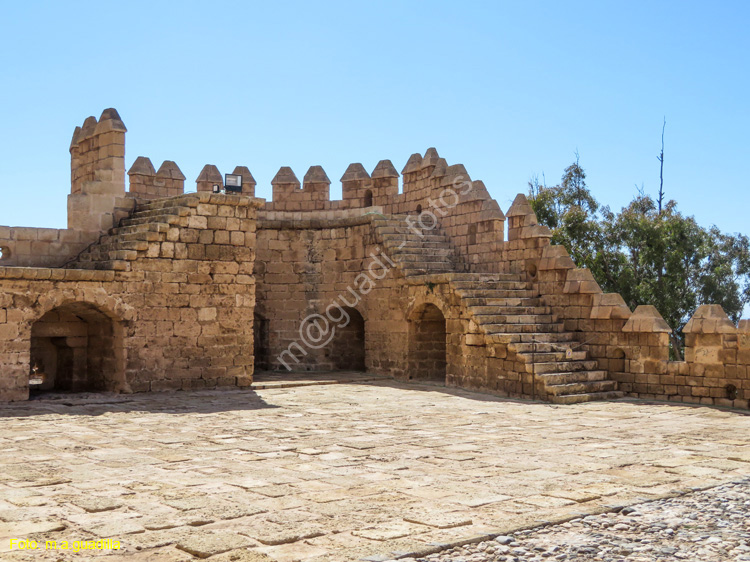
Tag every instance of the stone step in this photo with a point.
(478, 285)
(104, 265)
(529, 347)
(509, 310)
(396, 237)
(495, 293)
(165, 211)
(586, 397)
(115, 255)
(553, 379)
(425, 264)
(503, 302)
(412, 271)
(420, 251)
(160, 219)
(408, 222)
(552, 356)
(422, 257)
(523, 328)
(541, 367)
(187, 200)
(541, 337)
(513, 318)
(116, 244)
(417, 248)
(145, 236)
(487, 277)
(587, 387)
(145, 227)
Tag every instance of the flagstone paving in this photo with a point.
(334, 472)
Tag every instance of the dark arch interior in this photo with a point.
(347, 350)
(427, 345)
(73, 349)
(368, 198)
(262, 335)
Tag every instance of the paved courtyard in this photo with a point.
(334, 472)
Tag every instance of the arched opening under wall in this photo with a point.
(368, 198)
(261, 342)
(347, 348)
(617, 361)
(427, 344)
(76, 348)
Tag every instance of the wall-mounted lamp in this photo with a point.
(233, 183)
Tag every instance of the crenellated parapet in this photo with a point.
(384, 183)
(209, 176)
(147, 183)
(356, 187)
(248, 181)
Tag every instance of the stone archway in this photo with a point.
(427, 358)
(75, 347)
(347, 350)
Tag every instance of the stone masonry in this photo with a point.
(413, 275)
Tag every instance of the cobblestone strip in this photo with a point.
(706, 525)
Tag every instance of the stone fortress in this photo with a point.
(151, 288)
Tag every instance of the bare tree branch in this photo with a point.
(660, 158)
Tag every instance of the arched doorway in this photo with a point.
(347, 350)
(76, 348)
(427, 344)
(368, 198)
(261, 341)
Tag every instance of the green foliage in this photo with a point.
(663, 259)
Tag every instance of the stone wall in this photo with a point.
(395, 278)
(181, 313)
(305, 267)
(634, 346)
(41, 247)
(308, 269)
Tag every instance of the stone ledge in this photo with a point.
(55, 274)
(313, 223)
(194, 198)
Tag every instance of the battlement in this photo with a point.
(425, 180)
(443, 234)
(147, 183)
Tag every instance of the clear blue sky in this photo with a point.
(510, 89)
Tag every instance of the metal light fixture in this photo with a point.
(233, 183)
(217, 188)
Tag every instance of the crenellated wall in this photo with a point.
(633, 346)
(147, 183)
(185, 268)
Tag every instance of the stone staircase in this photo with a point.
(506, 310)
(138, 235)
(417, 252)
